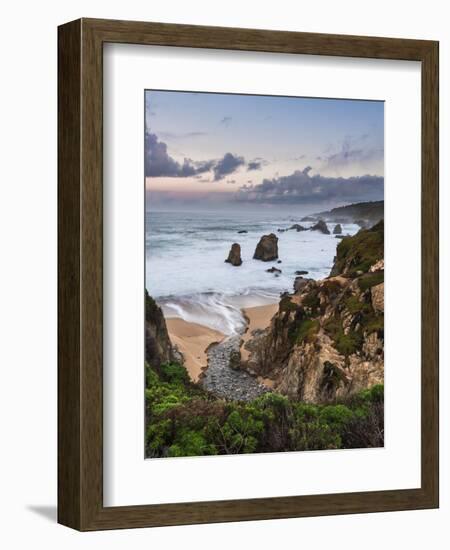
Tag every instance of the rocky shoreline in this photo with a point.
(221, 379)
(324, 340)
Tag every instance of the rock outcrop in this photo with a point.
(267, 248)
(298, 227)
(326, 341)
(158, 349)
(273, 270)
(234, 256)
(377, 294)
(337, 229)
(300, 283)
(378, 266)
(321, 226)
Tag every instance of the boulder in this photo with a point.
(273, 270)
(300, 283)
(298, 227)
(234, 257)
(300, 272)
(267, 248)
(337, 229)
(378, 266)
(242, 231)
(321, 226)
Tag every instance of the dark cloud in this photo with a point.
(159, 163)
(302, 188)
(254, 165)
(226, 120)
(157, 160)
(227, 165)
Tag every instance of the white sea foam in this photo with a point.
(187, 275)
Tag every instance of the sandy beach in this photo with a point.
(193, 339)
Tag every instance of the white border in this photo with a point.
(128, 478)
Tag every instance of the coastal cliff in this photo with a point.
(326, 341)
(158, 348)
(364, 214)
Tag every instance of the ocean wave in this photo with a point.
(219, 311)
(185, 258)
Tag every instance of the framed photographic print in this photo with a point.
(248, 274)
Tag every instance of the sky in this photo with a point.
(205, 150)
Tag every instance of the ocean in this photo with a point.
(187, 275)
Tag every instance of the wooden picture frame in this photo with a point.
(80, 272)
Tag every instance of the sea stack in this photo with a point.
(234, 257)
(337, 229)
(321, 226)
(267, 248)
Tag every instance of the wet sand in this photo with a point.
(192, 340)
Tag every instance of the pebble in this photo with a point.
(225, 382)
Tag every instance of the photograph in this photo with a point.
(264, 273)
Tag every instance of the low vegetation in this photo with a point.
(355, 255)
(184, 420)
(370, 279)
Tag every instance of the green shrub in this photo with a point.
(370, 279)
(286, 304)
(311, 301)
(349, 343)
(306, 331)
(191, 443)
(184, 420)
(360, 252)
(174, 373)
(336, 415)
(346, 344)
(354, 305)
(374, 323)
